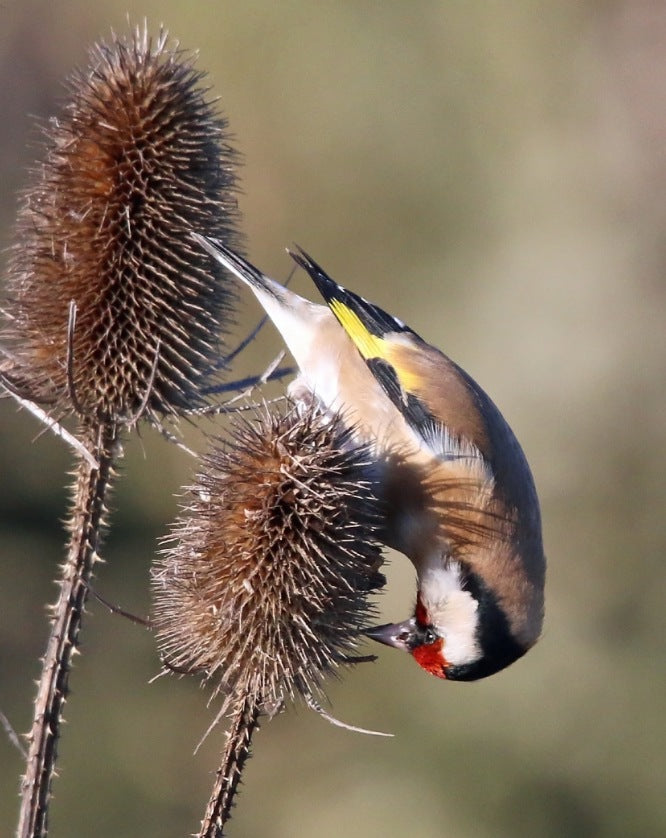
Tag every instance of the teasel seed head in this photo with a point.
(137, 159)
(265, 581)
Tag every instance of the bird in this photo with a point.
(458, 494)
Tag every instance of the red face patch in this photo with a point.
(430, 657)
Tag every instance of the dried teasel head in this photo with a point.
(112, 308)
(264, 585)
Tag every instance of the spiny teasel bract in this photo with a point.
(264, 585)
(137, 159)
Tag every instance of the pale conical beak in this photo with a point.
(398, 635)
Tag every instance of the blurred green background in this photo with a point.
(494, 174)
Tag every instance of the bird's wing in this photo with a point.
(428, 389)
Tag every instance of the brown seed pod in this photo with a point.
(264, 584)
(137, 159)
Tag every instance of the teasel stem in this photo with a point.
(244, 720)
(85, 526)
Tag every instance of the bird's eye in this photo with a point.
(429, 636)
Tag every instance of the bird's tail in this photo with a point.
(293, 316)
(258, 282)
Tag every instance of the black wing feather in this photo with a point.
(378, 322)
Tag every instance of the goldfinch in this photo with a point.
(460, 499)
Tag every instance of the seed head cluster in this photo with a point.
(137, 159)
(264, 584)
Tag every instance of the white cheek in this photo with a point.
(457, 624)
(438, 582)
(453, 612)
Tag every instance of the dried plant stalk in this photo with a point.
(86, 525)
(244, 721)
(113, 313)
(264, 586)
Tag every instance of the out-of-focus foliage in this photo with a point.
(494, 175)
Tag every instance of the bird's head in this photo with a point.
(458, 630)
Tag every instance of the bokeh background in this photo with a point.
(495, 174)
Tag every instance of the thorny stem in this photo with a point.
(85, 530)
(244, 721)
